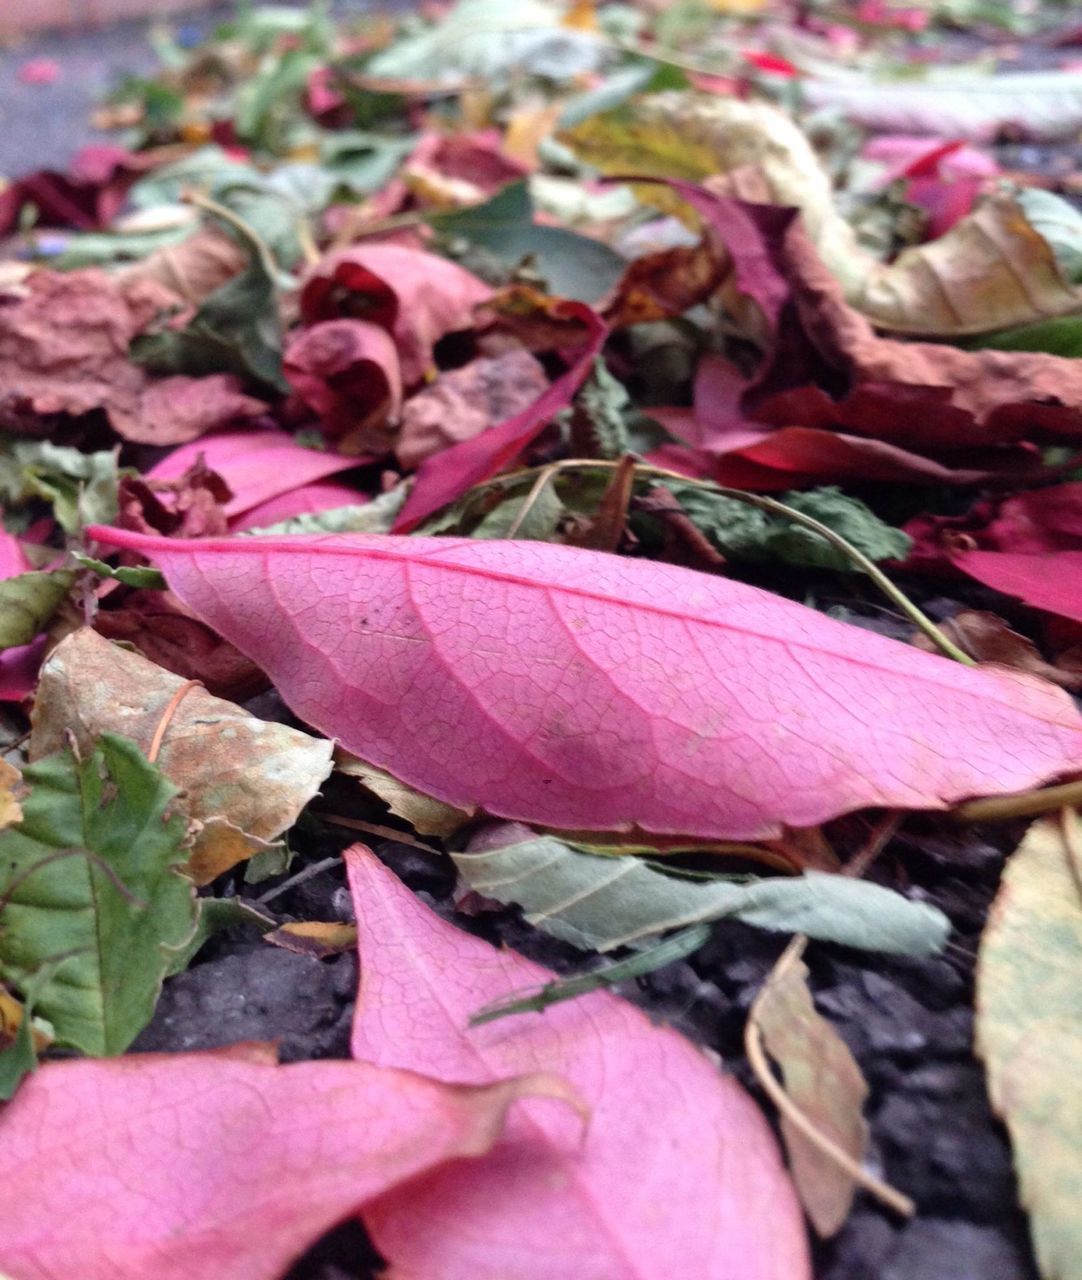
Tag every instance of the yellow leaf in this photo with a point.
(581, 16)
(992, 270)
(427, 815)
(823, 1079)
(1029, 1031)
(314, 937)
(11, 791)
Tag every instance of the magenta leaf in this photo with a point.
(186, 1166)
(1050, 580)
(675, 1174)
(257, 465)
(581, 690)
(448, 475)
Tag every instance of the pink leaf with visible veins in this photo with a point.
(677, 1173)
(448, 475)
(582, 690)
(257, 465)
(1051, 581)
(184, 1166)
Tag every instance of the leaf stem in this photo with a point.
(893, 593)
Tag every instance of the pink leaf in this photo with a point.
(257, 465)
(677, 1172)
(417, 297)
(448, 475)
(581, 690)
(184, 1166)
(309, 499)
(18, 666)
(1052, 581)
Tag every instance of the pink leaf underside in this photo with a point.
(1051, 581)
(446, 476)
(257, 465)
(583, 690)
(18, 666)
(186, 1166)
(676, 1174)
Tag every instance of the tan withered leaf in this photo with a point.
(426, 814)
(319, 938)
(245, 780)
(823, 1079)
(1029, 1031)
(11, 789)
(992, 270)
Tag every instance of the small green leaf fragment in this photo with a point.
(28, 601)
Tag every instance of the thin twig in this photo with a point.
(1022, 804)
(531, 499)
(306, 873)
(167, 717)
(373, 828)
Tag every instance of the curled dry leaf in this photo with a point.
(417, 297)
(448, 475)
(1029, 1031)
(824, 1080)
(240, 1163)
(464, 402)
(245, 781)
(714, 1189)
(194, 268)
(986, 637)
(556, 697)
(427, 815)
(347, 372)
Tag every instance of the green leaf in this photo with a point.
(28, 601)
(237, 328)
(574, 266)
(82, 487)
(741, 532)
(130, 575)
(536, 523)
(598, 903)
(1060, 336)
(1029, 1032)
(361, 162)
(376, 516)
(212, 916)
(90, 877)
(600, 414)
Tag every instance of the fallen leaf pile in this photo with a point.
(642, 499)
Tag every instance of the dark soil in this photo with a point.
(909, 1022)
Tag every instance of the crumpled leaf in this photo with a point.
(28, 601)
(91, 875)
(243, 781)
(600, 903)
(462, 403)
(958, 102)
(88, 195)
(417, 297)
(193, 268)
(1029, 1031)
(258, 466)
(987, 638)
(240, 1163)
(713, 1189)
(448, 475)
(572, 265)
(558, 700)
(347, 372)
(11, 793)
(823, 1079)
(176, 410)
(236, 329)
(80, 486)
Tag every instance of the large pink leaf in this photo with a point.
(583, 690)
(1051, 581)
(185, 1166)
(448, 475)
(257, 465)
(677, 1173)
(309, 499)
